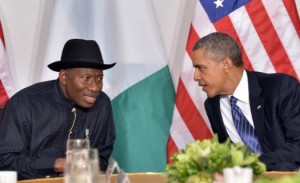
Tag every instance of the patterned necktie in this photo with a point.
(244, 128)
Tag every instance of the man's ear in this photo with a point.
(63, 76)
(227, 62)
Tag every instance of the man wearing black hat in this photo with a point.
(38, 120)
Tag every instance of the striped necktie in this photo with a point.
(244, 128)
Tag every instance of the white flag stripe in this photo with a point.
(134, 60)
(255, 55)
(179, 131)
(252, 45)
(5, 75)
(123, 41)
(195, 92)
(200, 19)
(187, 70)
(65, 17)
(288, 36)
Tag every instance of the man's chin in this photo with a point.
(210, 95)
(87, 105)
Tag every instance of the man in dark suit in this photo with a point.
(270, 103)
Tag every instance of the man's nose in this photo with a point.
(95, 86)
(197, 75)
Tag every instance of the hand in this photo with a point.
(59, 165)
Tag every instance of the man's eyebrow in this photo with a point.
(198, 66)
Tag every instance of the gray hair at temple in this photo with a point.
(218, 46)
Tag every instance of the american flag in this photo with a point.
(268, 33)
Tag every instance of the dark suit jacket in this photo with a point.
(275, 108)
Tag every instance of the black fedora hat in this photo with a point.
(79, 53)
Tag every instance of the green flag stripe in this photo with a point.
(143, 115)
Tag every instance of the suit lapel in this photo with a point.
(256, 104)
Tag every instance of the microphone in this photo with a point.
(74, 120)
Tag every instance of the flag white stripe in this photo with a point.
(252, 44)
(5, 75)
(179, 131)
(123, 41)
(200, 19)
(285, 30)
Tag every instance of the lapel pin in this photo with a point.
(259, 106)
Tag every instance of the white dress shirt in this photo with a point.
(242, 94)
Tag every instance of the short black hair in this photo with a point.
(218, 46)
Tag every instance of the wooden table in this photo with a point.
(134, 178)
(145, 178)
(275, 174)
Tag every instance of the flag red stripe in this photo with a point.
(172, 149)
(269, 38)
(192, 39)
(3, 95)
(225, 25)
(190, 114)
(290, 6)
(2, 35)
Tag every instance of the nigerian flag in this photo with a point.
(140, 84)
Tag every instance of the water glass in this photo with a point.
(94, 160)
(83, 167)
(76, 145)
(78, 168)
(94, 163)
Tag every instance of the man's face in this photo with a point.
(81, 85)
(208, 73)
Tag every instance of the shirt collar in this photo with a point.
(241, 92)
(61, 94)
